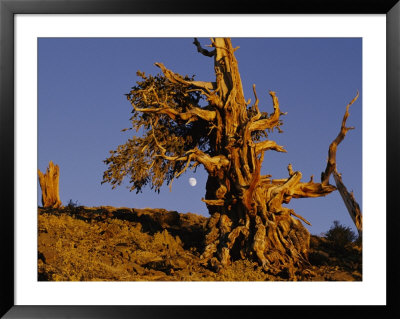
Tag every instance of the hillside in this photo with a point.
(124, 244)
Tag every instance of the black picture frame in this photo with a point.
(9, 8)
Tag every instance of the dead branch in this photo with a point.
(255, 105)
(191, 115)
(352, 206)
(178, 79)
(270, 122)
(331, 165)
(291, 211)
(268, 145)
(202, 50)
(213, 202)
(310, 189)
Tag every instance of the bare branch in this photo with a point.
(331, 165)
(352, 206)
(255, 105)
(288, 183)
(213, 202)
(297, 189)
(198, 112)
(291, 211)
(310, 189)
(280, 192)
(204, 85)
(348, 198)
(176, 78)
(272, 121)
(290, 170)
(203, 51)
(268, 145)
(182, 171)
(211, 164)
(191, 115)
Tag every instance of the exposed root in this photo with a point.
(279, 247)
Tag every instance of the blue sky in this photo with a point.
(82, 110)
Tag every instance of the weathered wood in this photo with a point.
(331, 164)
(348, 198)
(259, 226)
(352, 206)
(49, 183)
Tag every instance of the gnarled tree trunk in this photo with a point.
(248, 219)
(49, 184)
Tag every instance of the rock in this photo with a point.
(139, 269)
(123, 244)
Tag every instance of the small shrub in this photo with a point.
(358, 241)
(340, 235)
(72, 204)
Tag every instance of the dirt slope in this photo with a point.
(124, 244)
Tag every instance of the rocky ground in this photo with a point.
(78, 243)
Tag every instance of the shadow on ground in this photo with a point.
(124, 244)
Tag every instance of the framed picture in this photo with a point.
(38, 34)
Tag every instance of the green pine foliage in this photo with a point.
(139, 158)
(340, 235)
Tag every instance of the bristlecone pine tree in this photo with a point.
(186, 123)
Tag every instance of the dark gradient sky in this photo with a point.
(82, 110)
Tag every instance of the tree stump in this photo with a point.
(49, 185)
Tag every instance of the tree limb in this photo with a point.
(191, 115)
(291, 211)
(348, 198)
(203, 51)
(310, 189)
(293, 188)
(255, 105)
(213, 202)
(278, 193)
(331, 165)
(270, 122)
(206, 88)
(268, 145)
(211, 164)
(177, 78)
(352, 206)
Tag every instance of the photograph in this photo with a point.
(200, 159)
(175, 160)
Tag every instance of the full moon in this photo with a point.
(192, 181)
